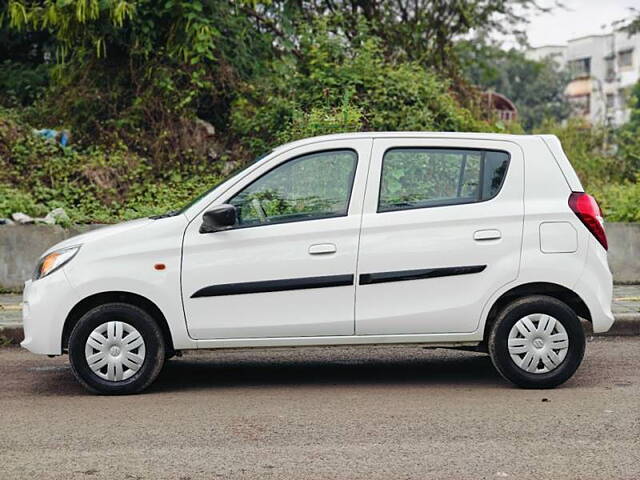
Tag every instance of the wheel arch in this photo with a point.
(92, 301)
(562, 293)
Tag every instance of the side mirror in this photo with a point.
(218, 218)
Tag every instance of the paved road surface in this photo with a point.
(344, 413)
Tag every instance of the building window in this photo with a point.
(580, 104)
(610, 68)
(611, 100)
(625, 59)
(580, 67)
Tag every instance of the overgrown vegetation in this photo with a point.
(607, 161)
(162, 99)
(537, 88)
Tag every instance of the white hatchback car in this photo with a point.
(462, 240)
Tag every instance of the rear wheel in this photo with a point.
(116, 349)
(537, 342)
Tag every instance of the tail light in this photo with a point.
(589, 213)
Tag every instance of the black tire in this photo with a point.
(153, 343)
(507, 318)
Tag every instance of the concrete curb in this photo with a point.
(626, 325)
(11, 335)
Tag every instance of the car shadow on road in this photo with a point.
(421, 368)
(313, 367)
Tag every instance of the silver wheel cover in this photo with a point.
(115, 351)
(538, 343)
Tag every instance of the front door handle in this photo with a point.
(322, 249)
(482, 235)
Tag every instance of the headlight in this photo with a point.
(55, 260)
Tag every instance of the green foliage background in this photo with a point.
(134, 81)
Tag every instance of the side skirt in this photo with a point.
(433, 340)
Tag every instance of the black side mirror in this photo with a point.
(218, 218)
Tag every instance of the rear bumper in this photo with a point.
(595, 287)
(46, 303)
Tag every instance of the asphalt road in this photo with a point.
(343, 413)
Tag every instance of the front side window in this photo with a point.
(317, 185)
(430, 177)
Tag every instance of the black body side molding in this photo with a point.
(275, 286)
(332, 281)
(404, 275)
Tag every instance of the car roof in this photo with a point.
(460, 135)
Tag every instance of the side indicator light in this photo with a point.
(159, 266)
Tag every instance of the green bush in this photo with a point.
(330, 90)
(620, 202)
(607, 163)
(589, 150)
(336, 89)
(93, 184)
(321, 121)
(13, 200)
(21, 83)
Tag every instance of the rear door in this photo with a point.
(441, 231)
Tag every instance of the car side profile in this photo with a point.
(461, 240)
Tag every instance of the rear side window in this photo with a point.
(432, 177)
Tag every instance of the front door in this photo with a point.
(287, 268)
(441, 231)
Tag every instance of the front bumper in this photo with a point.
(46, 304)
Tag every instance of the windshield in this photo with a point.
(227, 177)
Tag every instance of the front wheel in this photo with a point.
(537, 342)
(116, 349)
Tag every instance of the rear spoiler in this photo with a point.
(554, 146)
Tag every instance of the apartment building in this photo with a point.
(604, 69)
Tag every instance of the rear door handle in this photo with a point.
(482, 235)
(322, 249)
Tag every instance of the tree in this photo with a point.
(628, 139)
(23, 63)
(416, 30)
(536, 88)
(337, 88)
(633, 24)
(140, 71)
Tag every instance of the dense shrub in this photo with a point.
(335, 88)
(620, 202)
(589, 149)
(121, 173)
(93, 184)
(22, 83)
(137, 82)
(606, 162)
(535, 87)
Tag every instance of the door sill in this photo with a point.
(433, 340)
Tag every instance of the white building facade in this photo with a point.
(604, 69)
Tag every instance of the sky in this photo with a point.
(577, 19)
